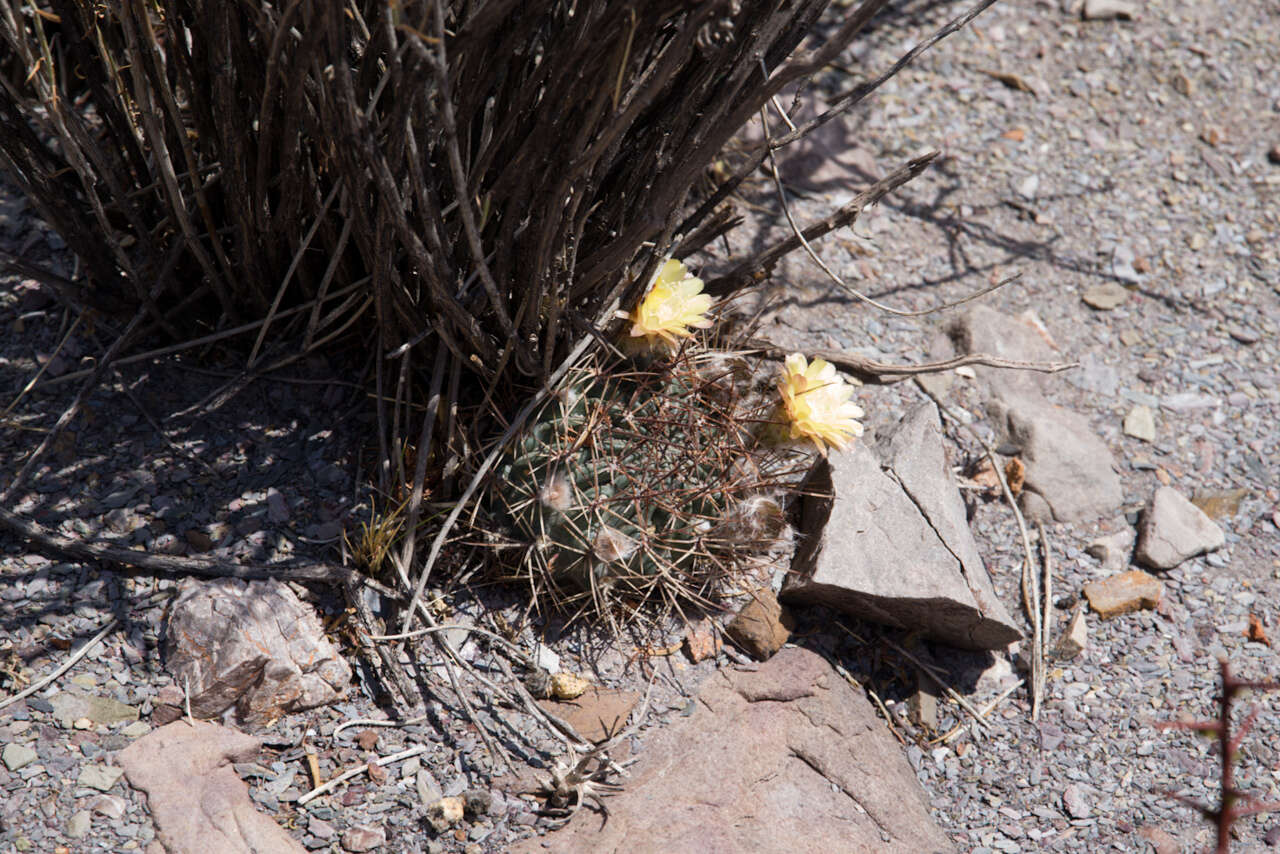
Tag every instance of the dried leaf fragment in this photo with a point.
(1016, 474)
(1256, 632)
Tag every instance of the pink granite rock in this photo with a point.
(198, 803)
(787, 758)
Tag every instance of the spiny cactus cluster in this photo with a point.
(653, 476)
(633, 481)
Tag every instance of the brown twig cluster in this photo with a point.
(474, 188)
(1233, 803)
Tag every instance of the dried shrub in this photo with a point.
(492, 175)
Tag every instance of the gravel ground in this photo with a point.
(1139, 156)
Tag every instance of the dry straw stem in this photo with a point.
(1030, 599)
(360, 769)
(986, 710)
(845, 216)
(839, 105)
(80, 653)
(936, 675)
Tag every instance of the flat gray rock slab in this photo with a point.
(869, 550)
(1173, 529)
(197, 801)
(251, 648)
(982, 329)
(1067, 465)
(787, 758)
(914, 453)
(1070, 472)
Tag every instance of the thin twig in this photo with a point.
(1028, 563)
(839, 106)
(443, 627)
(983, 713)
(465, 212)
(62, 668)
(888, 718)
(200, 566)
(377, 654)
(847, 215)
(358, 770)
(69, 414)
(288, 276)
(887, 373)
(40, 373)
(420, 465)
(764, 260)
(371, 722)
(1233, 804)
(936, 676)
(201, 341)
(452, 661)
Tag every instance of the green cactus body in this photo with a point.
(635, 483)
(620, 477)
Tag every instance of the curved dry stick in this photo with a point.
(845, 215)
(204, 567)
(64, 667)
(886, 373)
(840, 105)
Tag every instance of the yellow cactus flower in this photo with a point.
(816, 403)
(674, 303)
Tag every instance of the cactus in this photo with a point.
(635, 480)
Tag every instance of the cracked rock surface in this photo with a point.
(892, 546)
(251, 647)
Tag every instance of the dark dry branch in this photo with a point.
(885, 373)
(1233, 804)
(384, 141)
(841, 105)
(760, 265)
(212, 163)
(475, 188)
(200, 567)
(387, 142)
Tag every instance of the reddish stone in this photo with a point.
(1123, 593)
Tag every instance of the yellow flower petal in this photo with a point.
(674, 303)
(816, 402)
